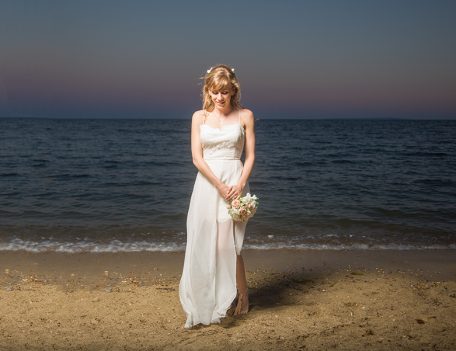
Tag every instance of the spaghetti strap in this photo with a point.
(239, 116)
(204, 116)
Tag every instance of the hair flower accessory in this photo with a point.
(210, 70)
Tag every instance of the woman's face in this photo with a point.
(221, 98)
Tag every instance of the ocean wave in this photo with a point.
(89, 246)
(135, 246)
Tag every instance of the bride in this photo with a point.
(213, 278)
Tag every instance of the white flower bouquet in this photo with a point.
(243, 208)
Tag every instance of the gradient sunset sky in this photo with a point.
(295, 59)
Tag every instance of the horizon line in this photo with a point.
(256, 119)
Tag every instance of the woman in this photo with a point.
(214, 274)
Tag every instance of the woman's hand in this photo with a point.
(224, 190)
(235, 192)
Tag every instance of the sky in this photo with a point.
(294, 59)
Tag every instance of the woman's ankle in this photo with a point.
(243, 292)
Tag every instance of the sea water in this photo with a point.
(102, 185)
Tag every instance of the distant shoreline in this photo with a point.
(440, 263)
(187, 116)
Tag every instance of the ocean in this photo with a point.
(75, 185)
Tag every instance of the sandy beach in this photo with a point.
(300, 300)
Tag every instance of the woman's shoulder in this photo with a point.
(198, 116)
(244, 110)
(246, 115)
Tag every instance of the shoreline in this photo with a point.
(299, 300)
(430, 263)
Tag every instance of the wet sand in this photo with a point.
(300, 300)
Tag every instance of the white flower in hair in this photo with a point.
(209, 70)
(232, 70)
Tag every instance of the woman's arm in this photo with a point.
(249, 121)
(197, 155)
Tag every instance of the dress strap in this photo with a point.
(239, 116)
(204, 116)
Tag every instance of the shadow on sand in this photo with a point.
(274, 291)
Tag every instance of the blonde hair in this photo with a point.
(218, 78)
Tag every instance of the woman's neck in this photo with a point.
(222, 112)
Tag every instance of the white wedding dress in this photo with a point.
(208, 284)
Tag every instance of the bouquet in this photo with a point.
(242, 208)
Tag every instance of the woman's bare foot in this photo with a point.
(242, 304)
(231, 309)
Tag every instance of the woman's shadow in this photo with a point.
(272, 290)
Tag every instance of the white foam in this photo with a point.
(89, 246)
(18, 244)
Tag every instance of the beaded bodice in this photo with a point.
(225, 143)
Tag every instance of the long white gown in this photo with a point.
(208, 284)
